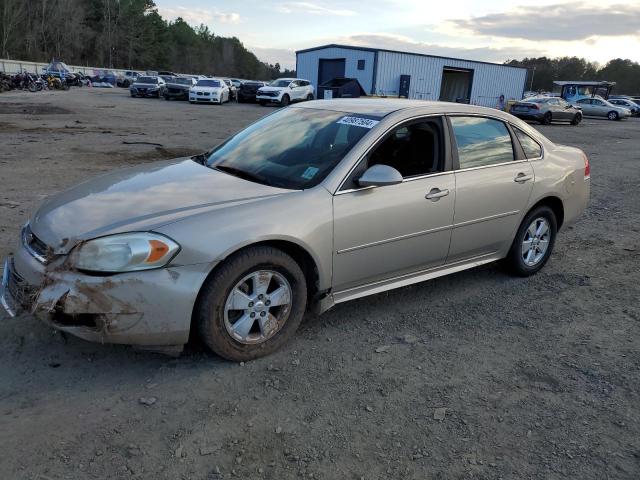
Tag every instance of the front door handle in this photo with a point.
(522, 177)
(436, 194)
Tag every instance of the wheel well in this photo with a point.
(555, 204)
(295, 251)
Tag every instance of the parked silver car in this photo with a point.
(546, 110)
(599, 107)
(310, 206)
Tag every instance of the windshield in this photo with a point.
(182, 81)
(280, 83)
(147, 80)
(294, 148)
(208, 83)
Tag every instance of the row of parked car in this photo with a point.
(201, 89)
(546, 109)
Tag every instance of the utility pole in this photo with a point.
(532, 75)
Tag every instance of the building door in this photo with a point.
(456, 85)
(405, 83)
(329, 69)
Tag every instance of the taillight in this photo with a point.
(587, 166)
(535, 106)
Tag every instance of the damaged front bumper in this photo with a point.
(147, 308)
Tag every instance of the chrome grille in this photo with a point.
(20, 291)
(36, 247)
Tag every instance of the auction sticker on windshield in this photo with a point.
(358, 122)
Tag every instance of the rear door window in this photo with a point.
(481, 141)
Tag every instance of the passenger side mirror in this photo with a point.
(380, 175)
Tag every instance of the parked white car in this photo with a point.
(209, 90)
(285, 90)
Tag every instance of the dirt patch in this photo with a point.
(32, 109)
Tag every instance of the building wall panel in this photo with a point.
(489, 81)
(307, 64)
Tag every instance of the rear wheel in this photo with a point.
(534, 242)
(547, 119)
(613, 116)
(285, 100)
(253, 304)
(310, 97)
(577, 118)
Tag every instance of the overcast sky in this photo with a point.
(493, 30)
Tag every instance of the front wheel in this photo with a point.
(33, 87)
(613, 116)
(262, 103)
(285, 101)
(534, 242)
(576, 119)
(252, 305)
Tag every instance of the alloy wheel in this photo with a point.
(257, 306)
(536, 242)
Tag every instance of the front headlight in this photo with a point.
(126, 252)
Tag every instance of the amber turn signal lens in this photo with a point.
(157, 250)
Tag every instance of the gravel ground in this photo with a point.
(476, 375)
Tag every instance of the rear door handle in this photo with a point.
(522, 177)
(436, 194)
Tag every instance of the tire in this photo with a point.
(310, 97)
(547, 119)
(33, 87)
(285, 100)
(262, 103)
(215, 295)
(167, 98)
(613, 116)
(577, 118)
(515, 259)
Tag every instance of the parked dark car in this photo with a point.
(546, 110)
(247, 91)
(178, 88)
(148, 87)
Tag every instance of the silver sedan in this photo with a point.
(599, 107)
(310, 206)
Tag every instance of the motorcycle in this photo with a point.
(54, 83)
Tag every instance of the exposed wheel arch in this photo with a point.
(556, 205)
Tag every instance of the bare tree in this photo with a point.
(11, 12)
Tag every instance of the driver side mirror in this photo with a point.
(379, 176)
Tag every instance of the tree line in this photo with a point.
(543, 71)
(127, 34)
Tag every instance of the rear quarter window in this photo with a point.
(532, 149)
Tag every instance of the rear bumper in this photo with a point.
(151, 308)
(528, 116)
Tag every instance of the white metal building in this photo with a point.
(412, 75)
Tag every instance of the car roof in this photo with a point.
(384, 106)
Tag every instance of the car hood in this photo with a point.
(139, 199)
(272, 89)
(206, 89)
